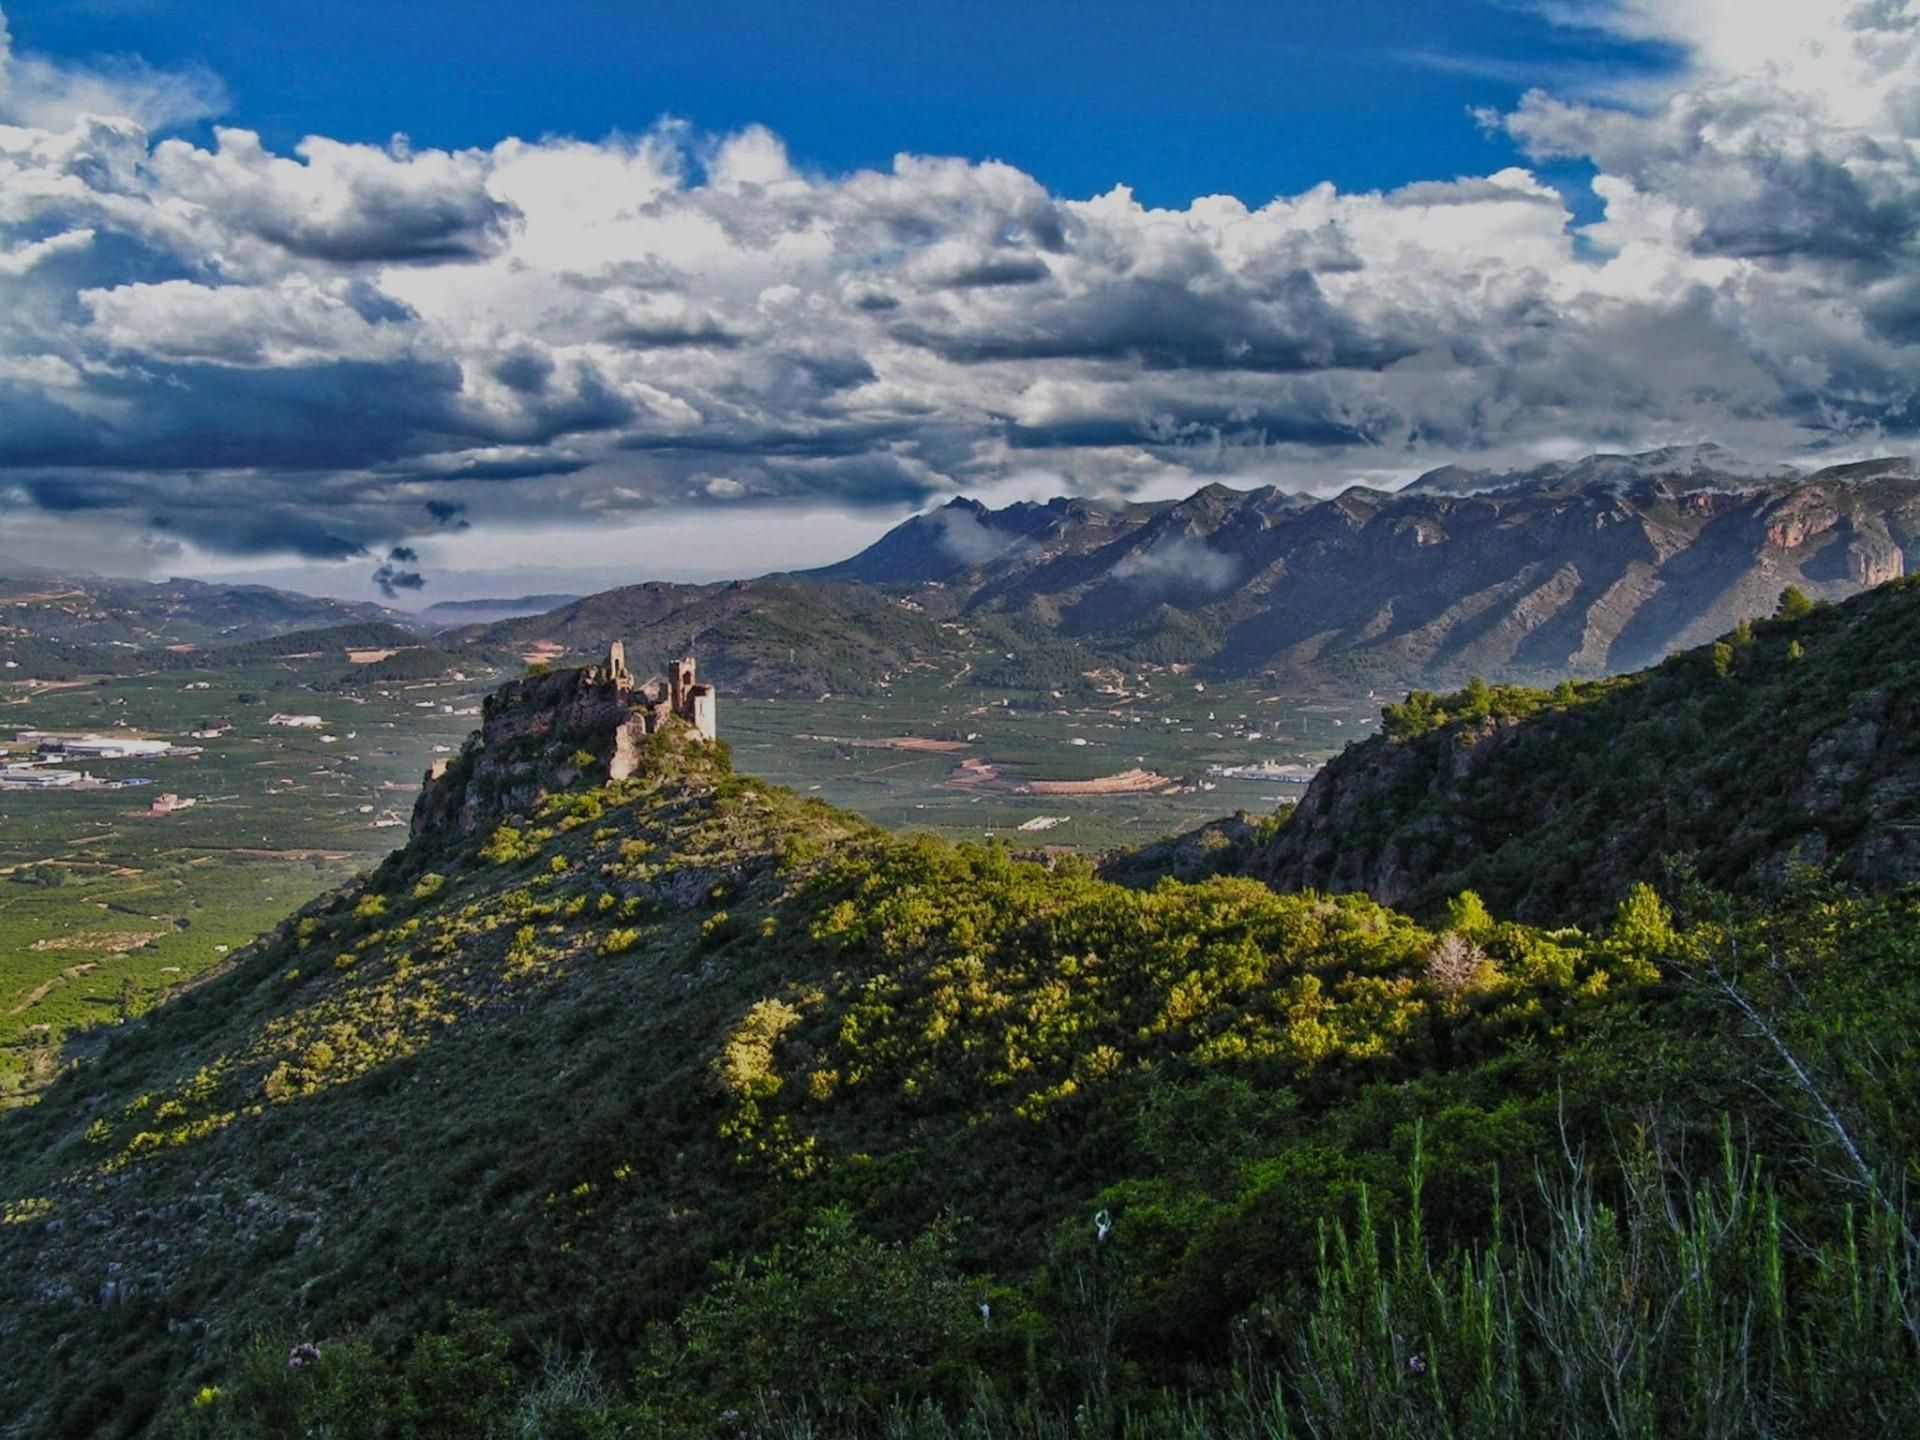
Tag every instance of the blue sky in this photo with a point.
(759, 279)
(1173, 99)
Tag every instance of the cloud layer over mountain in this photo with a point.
(330, 351)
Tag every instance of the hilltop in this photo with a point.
(777, 635)
(721, 1100)
(1791, 741)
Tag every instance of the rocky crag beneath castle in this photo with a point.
(561, 730)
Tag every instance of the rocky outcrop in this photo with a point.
(552, 732)
(1797, 746)
(1355, 828)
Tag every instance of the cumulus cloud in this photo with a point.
(330, 350)
(37, 93)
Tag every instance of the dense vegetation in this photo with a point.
(687, 1106)
(1791, 740)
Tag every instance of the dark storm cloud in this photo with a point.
(392, 581)
(1171, 324)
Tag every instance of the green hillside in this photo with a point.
(773, 636)
(1790, 741)
(685, 1106)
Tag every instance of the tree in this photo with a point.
(1479, 699)
(1793, 604)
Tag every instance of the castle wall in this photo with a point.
(703, 714)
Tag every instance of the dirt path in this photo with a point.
(45, 988)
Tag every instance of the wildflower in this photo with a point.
(1102, 1223)
(727, 1417)
(303, 1355)
(1417, 1364)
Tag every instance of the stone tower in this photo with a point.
(617, 673)
(690, 700)
(680, 686)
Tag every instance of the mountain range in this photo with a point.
(1575, 568)
(1578, 568)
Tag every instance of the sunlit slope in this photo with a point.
(559, 1067)
(1792, 741)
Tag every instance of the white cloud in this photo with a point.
(37, 93)
(255, 350)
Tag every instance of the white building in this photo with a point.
(111, 747)
(28, 777)
(295, 722)
(94, 747)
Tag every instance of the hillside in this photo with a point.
(683, 1105)
(101, 611)
(1579, 568)
(1793, 740)
(777, 635)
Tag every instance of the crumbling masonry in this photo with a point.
(535, 733)
(683, 698)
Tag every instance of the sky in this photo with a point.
(434, 300)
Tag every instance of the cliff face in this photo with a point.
(1389, 818)
(1797, 745)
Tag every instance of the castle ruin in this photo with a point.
(535, 731)
(651, 705)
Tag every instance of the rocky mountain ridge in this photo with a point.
(1794, 741)
(1580, 569)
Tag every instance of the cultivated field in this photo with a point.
(104, 906)
(970, 763)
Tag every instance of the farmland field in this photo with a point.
(104, 906)
(1000, 755)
